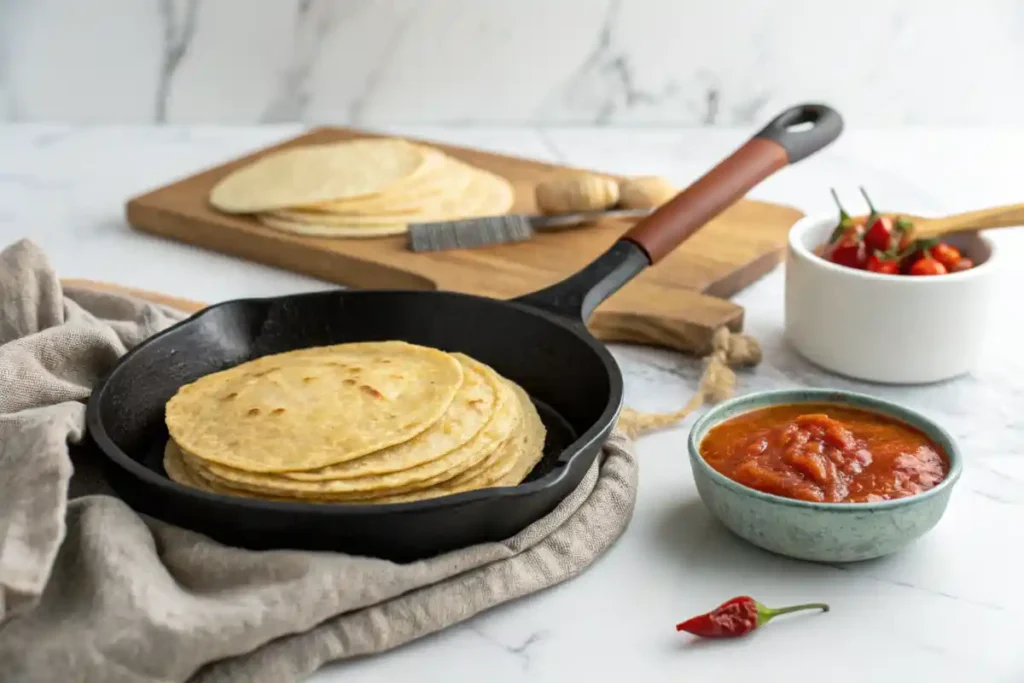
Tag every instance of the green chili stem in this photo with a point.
(843, 216)
(870, 205)
(766, 614)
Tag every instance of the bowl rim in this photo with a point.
(805, 224)
(854, 399)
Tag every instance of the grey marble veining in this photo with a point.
(314, 20)
(178, 19)
(603, 62)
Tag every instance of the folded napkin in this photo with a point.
(92, 591)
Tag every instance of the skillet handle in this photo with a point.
(791, 136)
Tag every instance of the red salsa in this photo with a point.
(825, 453)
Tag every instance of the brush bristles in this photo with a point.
(466, 234)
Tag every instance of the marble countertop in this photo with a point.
(942, 610)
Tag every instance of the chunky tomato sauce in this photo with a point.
(825, 453)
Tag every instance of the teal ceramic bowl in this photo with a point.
(821, 532)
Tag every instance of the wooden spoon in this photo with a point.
(1009, 216)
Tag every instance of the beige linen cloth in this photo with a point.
(92, 591)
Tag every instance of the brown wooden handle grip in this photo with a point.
(717, 190)
(791, 136)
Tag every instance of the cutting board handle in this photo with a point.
(791, 136)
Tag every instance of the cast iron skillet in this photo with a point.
(538, 340)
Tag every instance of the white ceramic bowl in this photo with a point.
(892, 329)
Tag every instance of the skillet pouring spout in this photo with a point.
(538, 341)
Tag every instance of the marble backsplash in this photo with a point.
(636, 62)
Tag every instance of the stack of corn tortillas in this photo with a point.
(371, 422)
(369, 187)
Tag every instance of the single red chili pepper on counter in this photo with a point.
(738, 617)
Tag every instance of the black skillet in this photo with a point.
(538, 340)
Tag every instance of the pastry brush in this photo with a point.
(468, 233)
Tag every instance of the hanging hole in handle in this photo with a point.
(803, 130)
(800, 119)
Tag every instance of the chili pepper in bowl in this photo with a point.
(946, 254)
(845, 225)
(738, 617)
(928, 266)
(879, 228)
(880, 262)
(846, 244)
(888, 246)
(961, 265)
(848, 251)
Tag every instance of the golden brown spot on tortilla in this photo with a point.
(371, 391)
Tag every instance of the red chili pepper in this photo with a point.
(879, 235)
(927, 266)
(738, 617)
(880, 263)
(913, 252)
(946, 254)
(880, 228)
(849, 252)
(962, 264)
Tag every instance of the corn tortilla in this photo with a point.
(487, 195)
(313, 174)
(306, 409)
(426, 469)
(442, 177)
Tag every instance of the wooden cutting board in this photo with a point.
(677, 304)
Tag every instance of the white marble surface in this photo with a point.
(724, 62)
(946, 609)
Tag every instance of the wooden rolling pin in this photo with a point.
(1009, 216)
